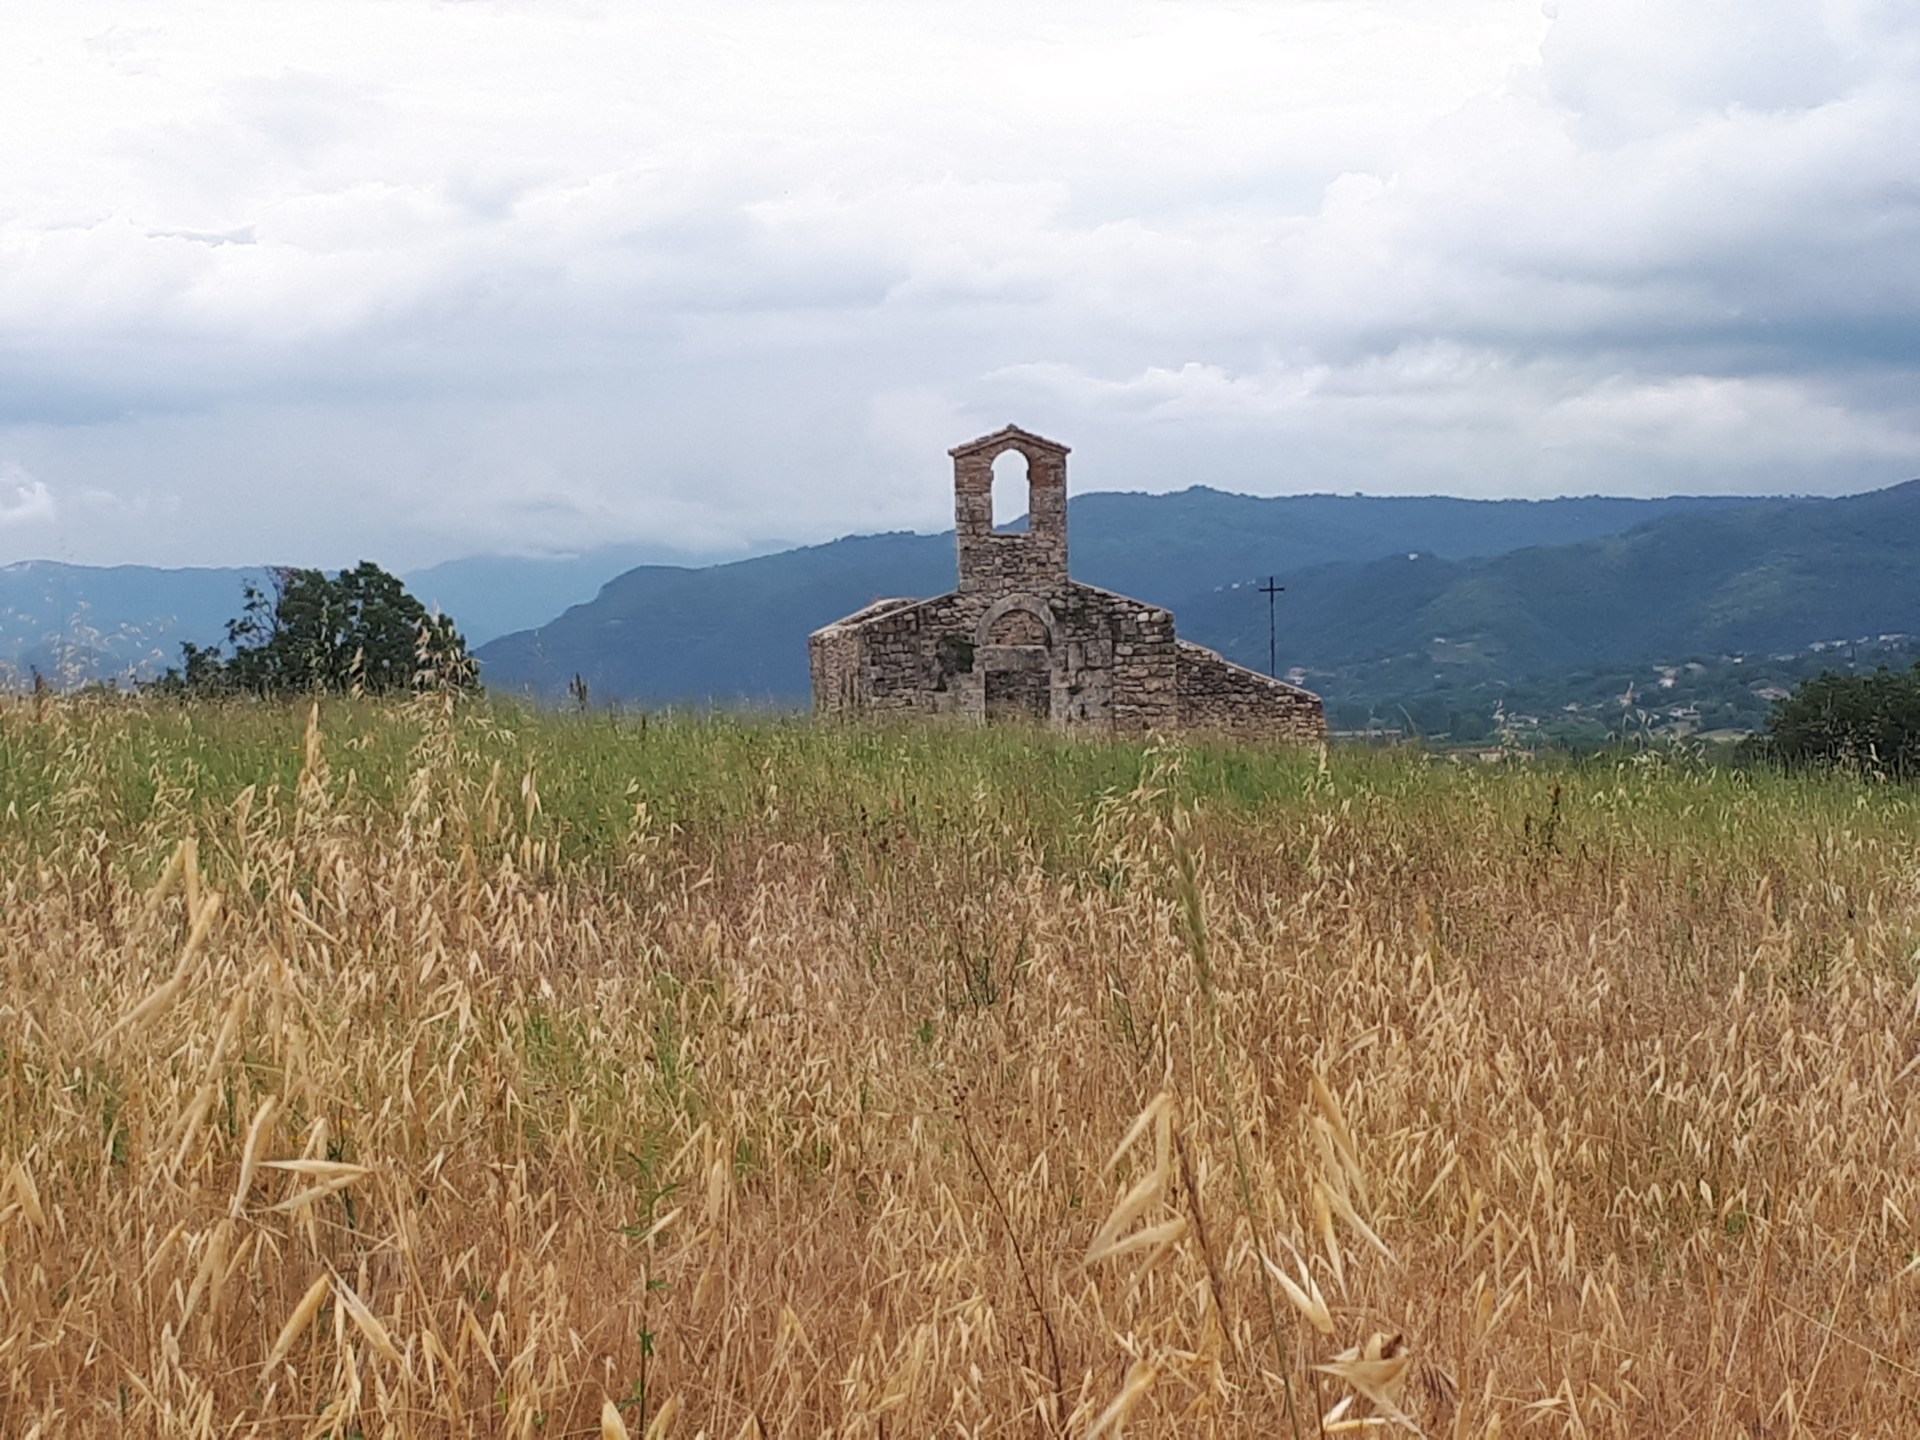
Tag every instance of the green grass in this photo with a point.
(694, 782)
(651, 1033)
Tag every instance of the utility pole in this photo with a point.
(1270, 590)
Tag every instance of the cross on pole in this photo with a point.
(1270, 590)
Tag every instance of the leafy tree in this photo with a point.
(359, 631)
(1867, 721)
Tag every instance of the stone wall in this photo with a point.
(1141, 679)
(833, 657)
(887, 659)
(1227, 699)
(1108, 663)
(838, 657)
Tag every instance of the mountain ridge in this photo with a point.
(1389, 601)
(733, 633)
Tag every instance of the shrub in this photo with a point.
(1870, 722)
(359, 631)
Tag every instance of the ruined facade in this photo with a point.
(1022, 640)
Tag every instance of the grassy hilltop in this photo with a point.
(413, 1071)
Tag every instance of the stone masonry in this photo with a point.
(1021, 640)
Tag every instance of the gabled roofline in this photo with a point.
(1007, 434)
(873, 610)
(1272, 682)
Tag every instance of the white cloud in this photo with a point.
(23, 500)
(393, 278)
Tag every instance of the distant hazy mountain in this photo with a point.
(737, 632)
(1493, 591)
(73, 623)
(493, 595)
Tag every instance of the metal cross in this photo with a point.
(1270, 590)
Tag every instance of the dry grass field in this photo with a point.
(411, 1072)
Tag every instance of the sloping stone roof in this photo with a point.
(1004, 435)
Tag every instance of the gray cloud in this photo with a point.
(313, 282)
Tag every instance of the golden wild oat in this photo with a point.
(430, 1071)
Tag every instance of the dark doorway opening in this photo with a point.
(1023, 696)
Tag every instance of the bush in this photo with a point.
(358, 632)
(1868, 722)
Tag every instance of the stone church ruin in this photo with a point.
(1021, 640)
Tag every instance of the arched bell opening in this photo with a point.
(1012, 493)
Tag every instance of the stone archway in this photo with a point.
(1017, 646)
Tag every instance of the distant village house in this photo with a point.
(1021, 640)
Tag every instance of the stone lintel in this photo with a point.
(1012, 657)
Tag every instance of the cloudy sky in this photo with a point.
(318, 279)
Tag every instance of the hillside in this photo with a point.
(1770, 575)
(1769, 578)
(736, 632)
